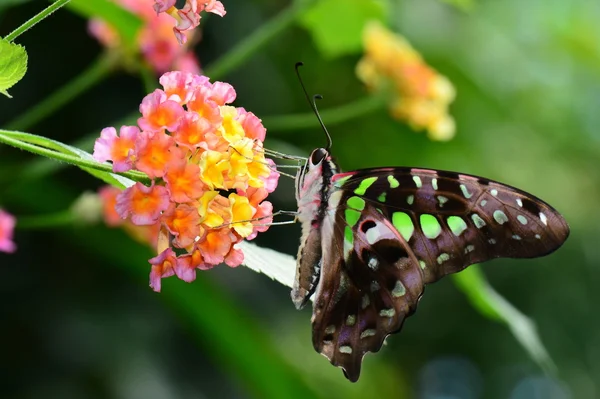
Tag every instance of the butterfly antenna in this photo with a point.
(314, 106)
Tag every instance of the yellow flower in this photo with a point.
(420, 96)
(241, 214)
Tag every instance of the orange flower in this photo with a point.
(420, 96)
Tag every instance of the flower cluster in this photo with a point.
(7, 225)
(421, 96)
(157, 44)
(188, 17)
(209, 174)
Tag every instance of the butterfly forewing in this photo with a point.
(453, 220)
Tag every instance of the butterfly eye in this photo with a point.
(318, 155)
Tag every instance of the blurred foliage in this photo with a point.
(80, 322)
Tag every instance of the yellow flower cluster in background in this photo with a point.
(420, 95)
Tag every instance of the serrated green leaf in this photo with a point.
(491, 304)
(336, 25)
(13, 65)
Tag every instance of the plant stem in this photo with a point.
(249, 46)
(35, 19)
(55, 150)
(47, 221)
(87, 79)
(332, 116)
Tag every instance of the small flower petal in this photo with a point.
(163, 265)
(7, 226)
(143, 204)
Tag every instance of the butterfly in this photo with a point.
(373, 238)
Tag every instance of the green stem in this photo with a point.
(249, 46)
(47, 221)
(55, 150)
(332, 116)
(87, 79)
(35, 19)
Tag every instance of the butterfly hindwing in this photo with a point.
(453, 220)
(366, 294)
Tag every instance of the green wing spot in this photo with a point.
(403, 223)
(457, 225)
(364, 185)
(356, 203)
(393, 182)
(352, 216)
(381, 197)
(340, 182)
(430, 226)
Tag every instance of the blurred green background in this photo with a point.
(79, 321)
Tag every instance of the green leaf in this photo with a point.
(465, 5)
(336, 25)
(488, 302)
(127, 24)
(13, 65)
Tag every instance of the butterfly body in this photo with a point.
(373, 238)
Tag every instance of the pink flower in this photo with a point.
(118, 149)
(7, 226)
(159, 113)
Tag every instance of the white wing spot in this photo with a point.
(387, 312)
(346, 349)
(500, 217)
(492, 241)
(422, 264)
(519, 202)
(543, 218)
(494, 192)
(368, 333)
(375, 286)
(373, 263)
(365, 301)
(516, 237)
(442, 200)
(399, 289)
(373, 235)
(522, 219)
(410, 199)
(330, 329)
(469, 248)
(465, 192)
(350, 320)
(479, 222)
(442, 258)
(417, 181)
(434, 184)
(483, 202)
(538, 236)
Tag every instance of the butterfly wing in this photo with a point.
(390, 231)
(366, 294)
(453, 220)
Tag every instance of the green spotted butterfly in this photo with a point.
(373, 238)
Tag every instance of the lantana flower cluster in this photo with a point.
(7, 226)
(161, 49)
(209, 174)
(420, 95)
